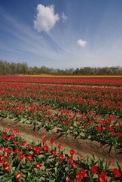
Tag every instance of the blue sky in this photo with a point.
(61, 33)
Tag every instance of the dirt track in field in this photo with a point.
(82, 147)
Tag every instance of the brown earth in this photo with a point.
(82, 147)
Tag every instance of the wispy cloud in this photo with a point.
(81, 43)
(46, 18)
(25, 44)
(64, 17)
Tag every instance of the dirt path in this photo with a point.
(82, 147)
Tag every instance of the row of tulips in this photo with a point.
(102, 100)
(65, 80)
(47, 161)
(78, 124)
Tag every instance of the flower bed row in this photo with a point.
(46, 161)
(100, 100)
(65, 80)
(78, 124)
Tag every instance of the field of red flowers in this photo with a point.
(84, 108)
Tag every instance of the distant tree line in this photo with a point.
(7, 68)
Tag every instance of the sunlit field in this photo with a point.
(72, 128)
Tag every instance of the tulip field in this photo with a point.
(84, 108)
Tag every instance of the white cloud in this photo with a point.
(64, 17)
(46, 18)
(81, 43)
